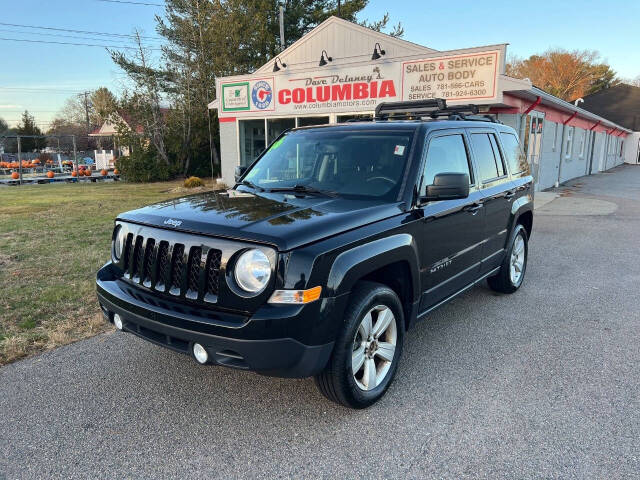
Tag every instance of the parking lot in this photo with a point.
(544, 383)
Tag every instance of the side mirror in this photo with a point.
(448, 186)
(239, 172)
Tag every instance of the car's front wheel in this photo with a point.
(368, 349)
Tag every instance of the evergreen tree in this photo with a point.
(28, 127)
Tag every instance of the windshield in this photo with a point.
(359, 163)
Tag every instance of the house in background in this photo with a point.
(107, 137)
(621, 104)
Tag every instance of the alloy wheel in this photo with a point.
(517, 260)
(374, 347)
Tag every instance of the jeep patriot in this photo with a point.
(330, 246)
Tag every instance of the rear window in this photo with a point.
(516, 160)
(489, 162)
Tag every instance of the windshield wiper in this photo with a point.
(247, 183)
(304, 189)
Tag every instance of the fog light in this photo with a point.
(200, 353)
(117, 321)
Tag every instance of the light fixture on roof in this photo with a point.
(324, 58)
(277, 68)
(377, 52)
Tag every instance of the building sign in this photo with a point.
(361, 88)
(459, 77)
(252, 95)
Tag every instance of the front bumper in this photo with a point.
(259, 344)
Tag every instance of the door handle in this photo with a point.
(473, 208)
(509, 195)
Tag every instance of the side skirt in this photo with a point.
(462, 290)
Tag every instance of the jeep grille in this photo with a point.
(172, 268)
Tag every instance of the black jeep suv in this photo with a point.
(329, 247)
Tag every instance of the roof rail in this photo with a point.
(409, 108)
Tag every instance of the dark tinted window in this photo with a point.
(515, 158)
(486, 160)
(357, 162)
(445, 155)
(497, 154)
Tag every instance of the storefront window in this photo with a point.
(252, 140)
(346, 118)
(308, 121)
(276, 126)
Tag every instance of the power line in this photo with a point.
(62, 35)
(75, 44)
(132, 3)
(108, 34)
(43, 90)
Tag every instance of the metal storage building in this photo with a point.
(341, 70)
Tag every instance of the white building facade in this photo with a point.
(341, 71)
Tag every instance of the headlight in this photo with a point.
(252, 271)
(118, 243)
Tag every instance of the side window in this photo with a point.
(485, 158)
(446, 154)
(515, 158)
(496, 152)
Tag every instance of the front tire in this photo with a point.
(514, 266)
(367, 351)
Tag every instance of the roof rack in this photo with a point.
(408, 109)
(434, 108)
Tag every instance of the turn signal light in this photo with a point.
(296, 296)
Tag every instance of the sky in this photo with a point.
(39, 77)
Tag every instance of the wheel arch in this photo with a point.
(392, 261)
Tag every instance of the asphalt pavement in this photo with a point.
(544, 383)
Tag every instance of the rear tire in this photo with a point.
(514, 266)
(370, 343)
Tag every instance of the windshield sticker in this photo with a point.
(399, 150)
(277, 144)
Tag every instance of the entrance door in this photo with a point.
(451, 232)
(533, 142)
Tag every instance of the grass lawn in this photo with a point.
(53, 239)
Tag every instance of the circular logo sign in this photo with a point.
(261, 94)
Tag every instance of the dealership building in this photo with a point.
(341, 71)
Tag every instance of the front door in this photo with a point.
(533, 142)
(451, 231)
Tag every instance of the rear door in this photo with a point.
(497, 194)
(451, 231)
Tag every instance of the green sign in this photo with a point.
(235, 97)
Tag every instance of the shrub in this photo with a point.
(142, 166)
(193, 182)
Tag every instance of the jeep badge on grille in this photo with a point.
(172, 222)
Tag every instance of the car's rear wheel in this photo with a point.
(511, 274)
(368, 349)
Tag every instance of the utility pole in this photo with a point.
(281, 28)
(339, 16)
(19, 161)
(75, 158)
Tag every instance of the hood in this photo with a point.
(280, 219)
